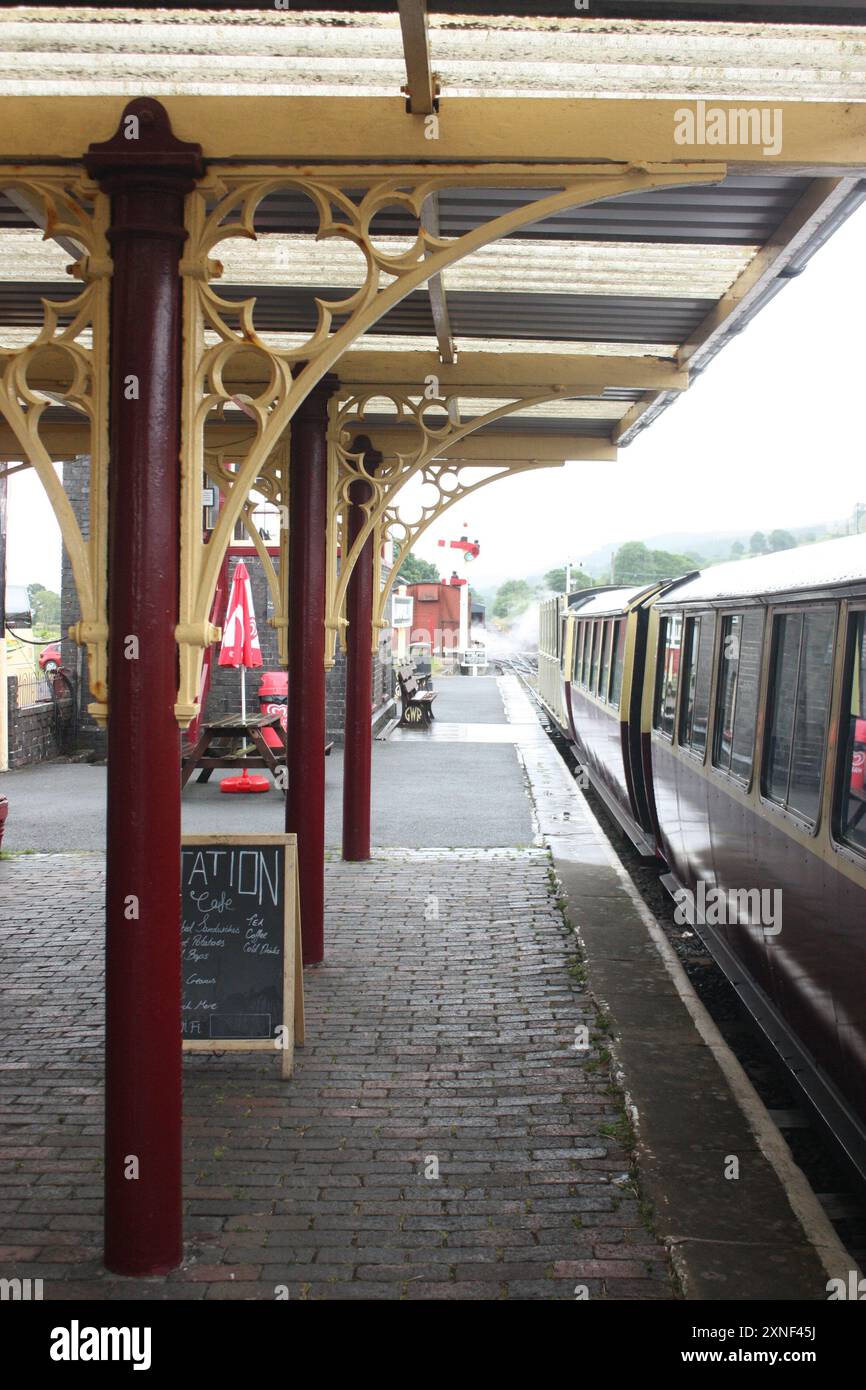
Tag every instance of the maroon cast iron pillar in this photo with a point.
(357, 754)
(305, 727)
(147, 172)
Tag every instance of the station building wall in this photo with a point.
(32, 730)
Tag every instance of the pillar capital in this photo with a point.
(314, 407)
(144, 148)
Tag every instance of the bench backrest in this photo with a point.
(409, 686)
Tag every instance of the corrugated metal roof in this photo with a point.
(622, 318)
(285, 309)
(660, 269)
(694, 11)
(495, 317)
(582, 408)
(306, 51)
(630, 276)
(20, 305)
(738, 211)
(510, 424)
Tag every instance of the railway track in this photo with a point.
(812, 1147)
(524, 665)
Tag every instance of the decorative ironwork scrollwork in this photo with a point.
(65, 364)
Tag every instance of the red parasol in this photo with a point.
(240, 647)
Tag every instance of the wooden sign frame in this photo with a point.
(293, 970)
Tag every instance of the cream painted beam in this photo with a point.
(64, 441)
(506, 374)
(436, 288)
(504, 446)
(819, 137)
(420, 86)
(61, 441)
(498, 375)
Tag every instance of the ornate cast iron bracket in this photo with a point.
(66, 364)
(224, 350)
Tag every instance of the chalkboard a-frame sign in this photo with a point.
(243, 983)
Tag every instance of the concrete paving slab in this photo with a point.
(437, 732)
(448, 795)
(712, 1277)
(54, 807)
(468, 700)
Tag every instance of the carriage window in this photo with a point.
(697, 678)
(618, 659)
(597, 635)
(799, 705)
(853, 745)
(737, 699)
(578, 651)
(667, 675)
(604, 681)
(587, 654)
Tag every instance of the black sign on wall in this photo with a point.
(242, 981)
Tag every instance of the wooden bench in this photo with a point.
(409, 672)
(417, 704)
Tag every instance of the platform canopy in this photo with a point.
(614, 305)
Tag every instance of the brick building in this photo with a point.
(436, 616)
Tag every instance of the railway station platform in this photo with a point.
(507, 1091)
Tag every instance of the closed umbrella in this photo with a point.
(240, 647)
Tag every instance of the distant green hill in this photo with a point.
(711, 546)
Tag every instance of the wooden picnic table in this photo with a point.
(234, 728)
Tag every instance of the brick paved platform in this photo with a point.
(440, 1028)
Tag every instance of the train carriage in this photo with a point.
(731, 740)
(755, 696)
(602, 678)
(550, 637)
